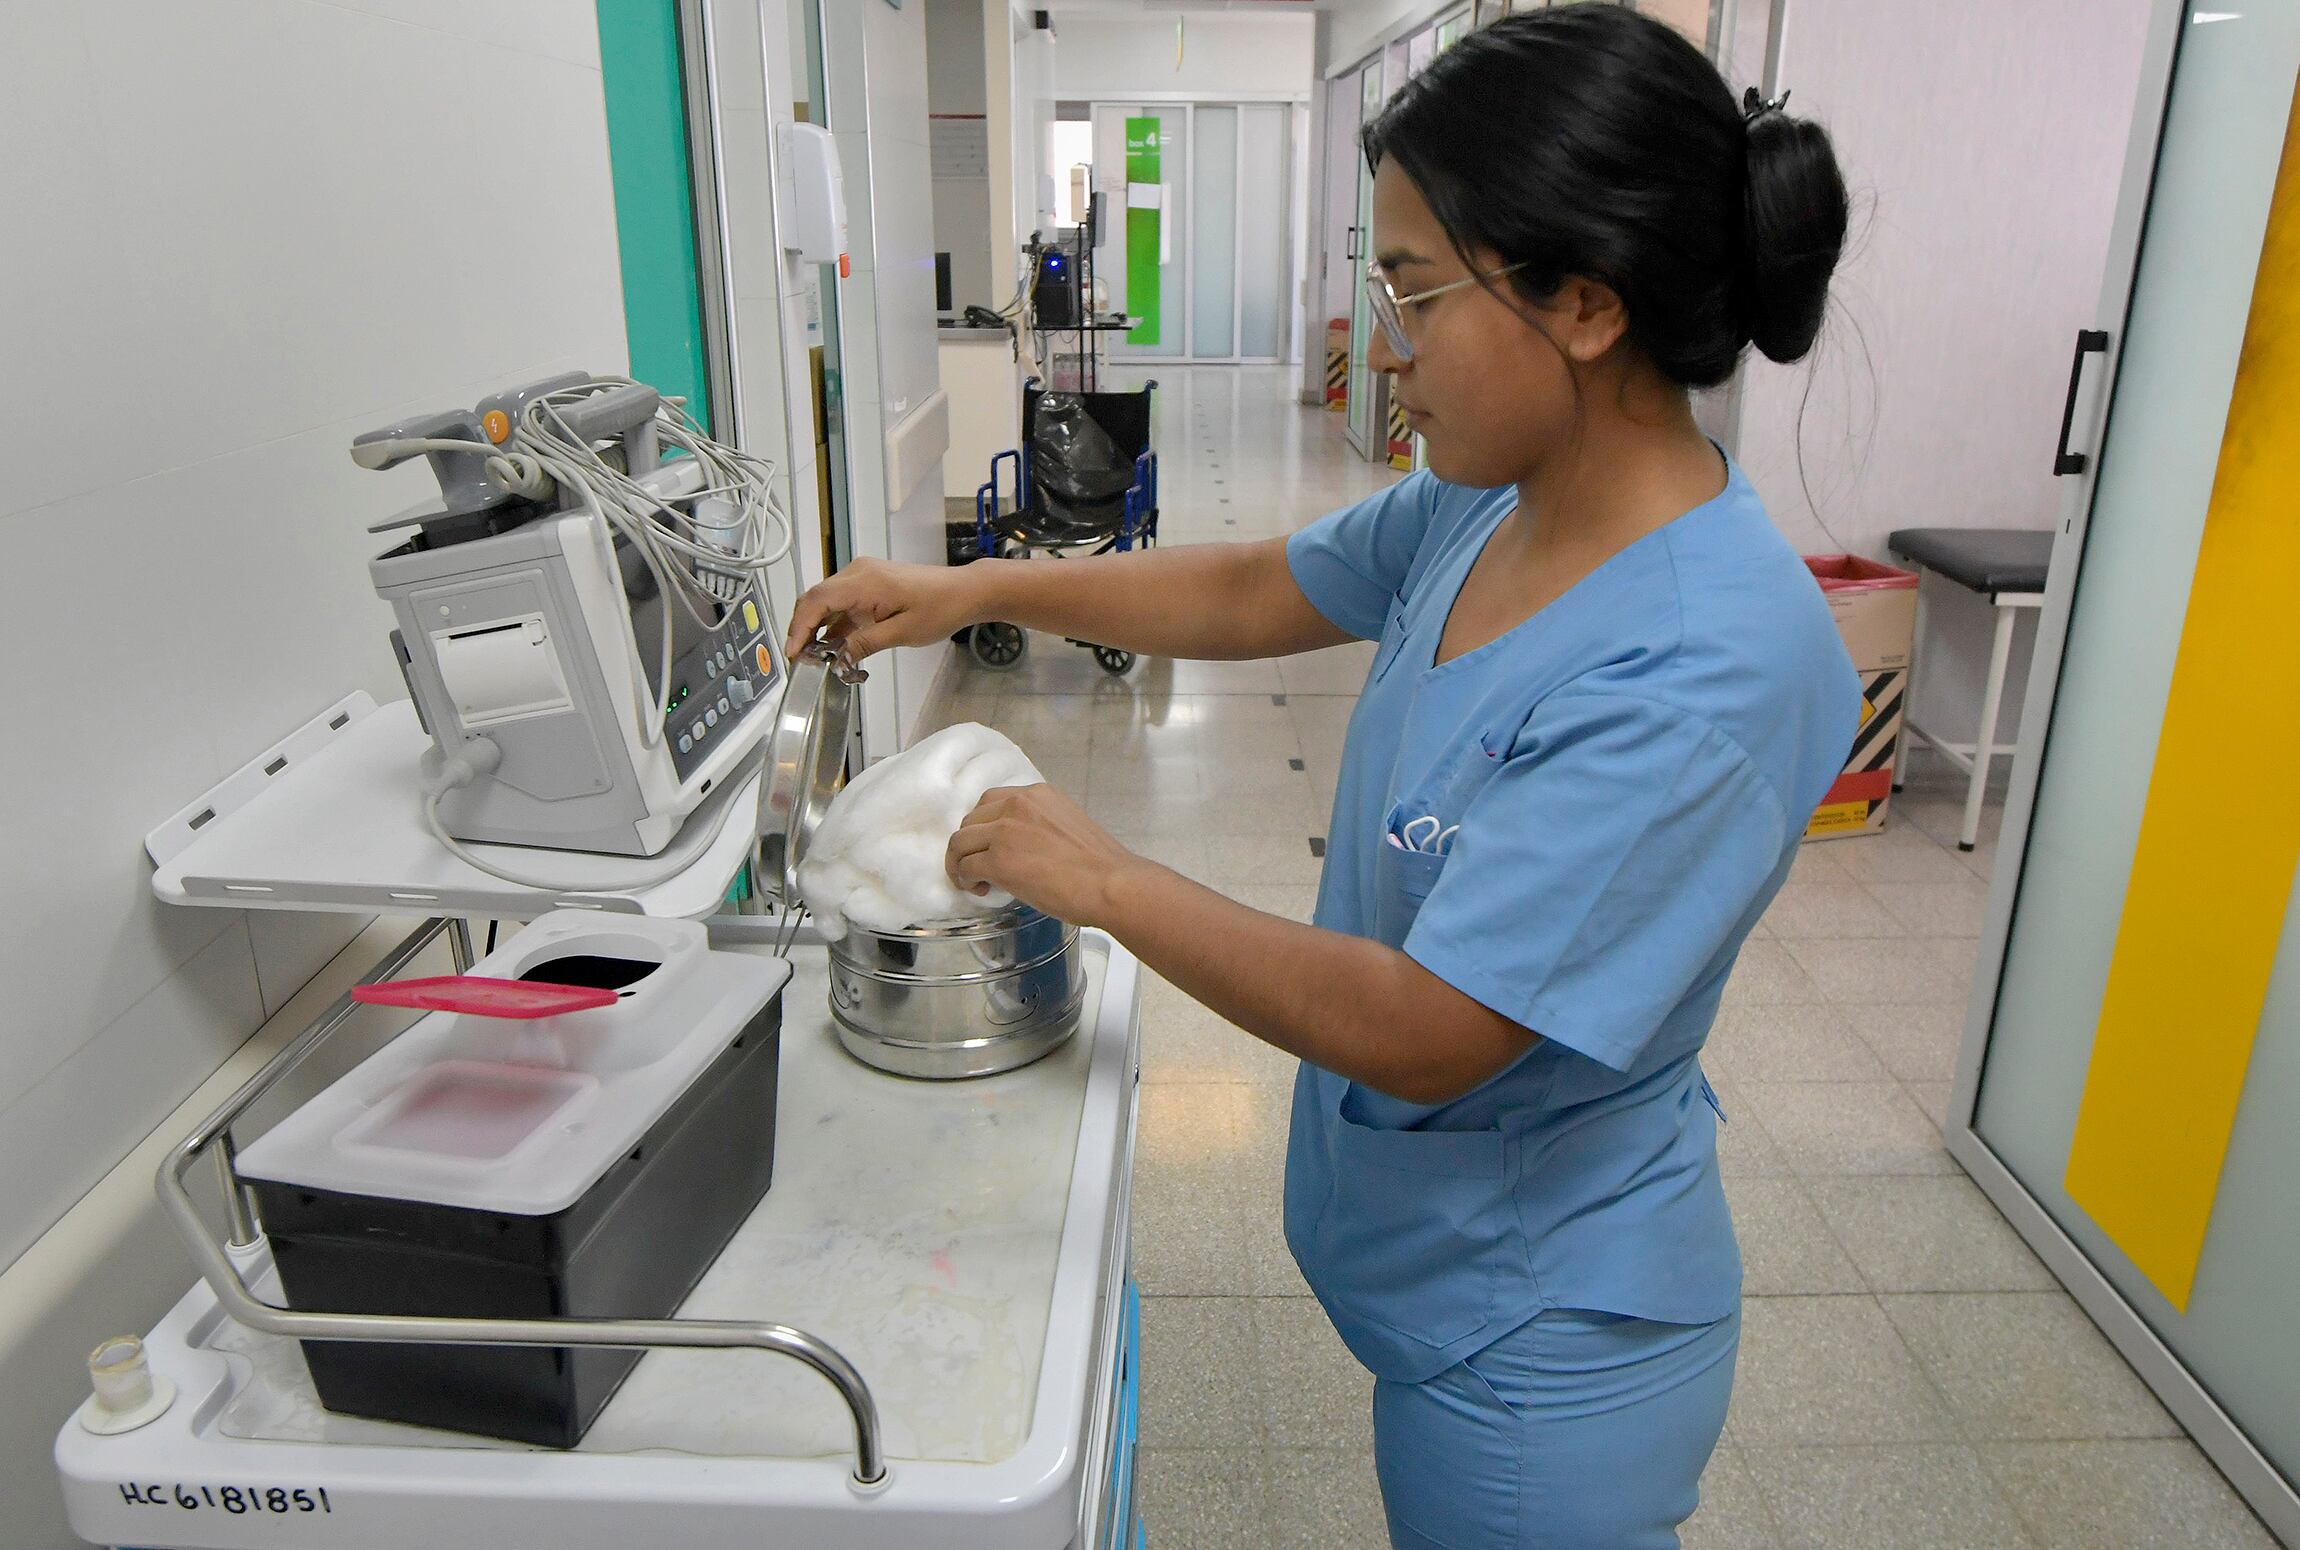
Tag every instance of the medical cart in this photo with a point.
(925, 1334)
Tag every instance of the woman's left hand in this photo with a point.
(1040, 846)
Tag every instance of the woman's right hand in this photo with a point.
(874, 604)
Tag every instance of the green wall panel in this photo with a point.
(1142, 298)
(654, 197)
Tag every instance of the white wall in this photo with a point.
(1225, 54)
(1986, 144)
(248, 254)
(961, 229)
(1034, 98)
(878, 94)
(1018, 106)
(1008, 148)
(955, 82)
(1355, 28)
(957, 98)
(241, 239)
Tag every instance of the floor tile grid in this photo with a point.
(1834, 963)
(1827, 900)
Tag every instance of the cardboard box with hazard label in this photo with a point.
(1875, 606)
(1401, 437)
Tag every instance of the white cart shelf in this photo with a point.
(331, 819)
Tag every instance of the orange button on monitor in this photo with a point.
(766, 662)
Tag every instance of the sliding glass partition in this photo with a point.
(1218, 281)
(2130, 1087)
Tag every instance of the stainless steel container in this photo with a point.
(965, 999)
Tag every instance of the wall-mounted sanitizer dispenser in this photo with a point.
(814, 201)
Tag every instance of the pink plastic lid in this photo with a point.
(484, 997)
(1851, 573)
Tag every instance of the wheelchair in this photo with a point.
(1085, 481)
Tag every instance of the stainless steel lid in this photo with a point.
(806, 763)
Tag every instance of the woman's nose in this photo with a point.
(1379, 356)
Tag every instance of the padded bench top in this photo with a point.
(1986, 559)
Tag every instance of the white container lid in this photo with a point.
(522, 1117)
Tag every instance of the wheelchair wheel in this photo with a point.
(1113, 660)
(997, 646)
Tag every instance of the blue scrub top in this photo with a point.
(1631, 769)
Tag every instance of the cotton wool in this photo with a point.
(877, 859)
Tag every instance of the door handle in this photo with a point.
(1352, 253)
(2088, 340)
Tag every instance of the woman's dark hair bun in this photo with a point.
(1793, 231)
(1589, 140)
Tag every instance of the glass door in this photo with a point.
(823, 325)
(1363, 429)
(2133, 1092)
(1215, 230)
(1339, 246)
(1241, 263)
(1205, 261)
(1265, 228)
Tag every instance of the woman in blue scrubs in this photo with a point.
(1607, 696)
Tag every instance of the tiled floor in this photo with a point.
(1910, 1375)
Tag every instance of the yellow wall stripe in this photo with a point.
(2212, 875)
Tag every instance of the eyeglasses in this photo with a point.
(1388, 306)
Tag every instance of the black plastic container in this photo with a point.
(632, 1246)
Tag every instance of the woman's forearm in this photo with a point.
(1344, 1003)
(1211, 602)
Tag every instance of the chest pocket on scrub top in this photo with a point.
(1428, 823)
(1402, 883)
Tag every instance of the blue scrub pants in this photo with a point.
(1577, 1431)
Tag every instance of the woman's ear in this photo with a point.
(1587, 318)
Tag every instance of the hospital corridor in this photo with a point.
(1149, 775)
